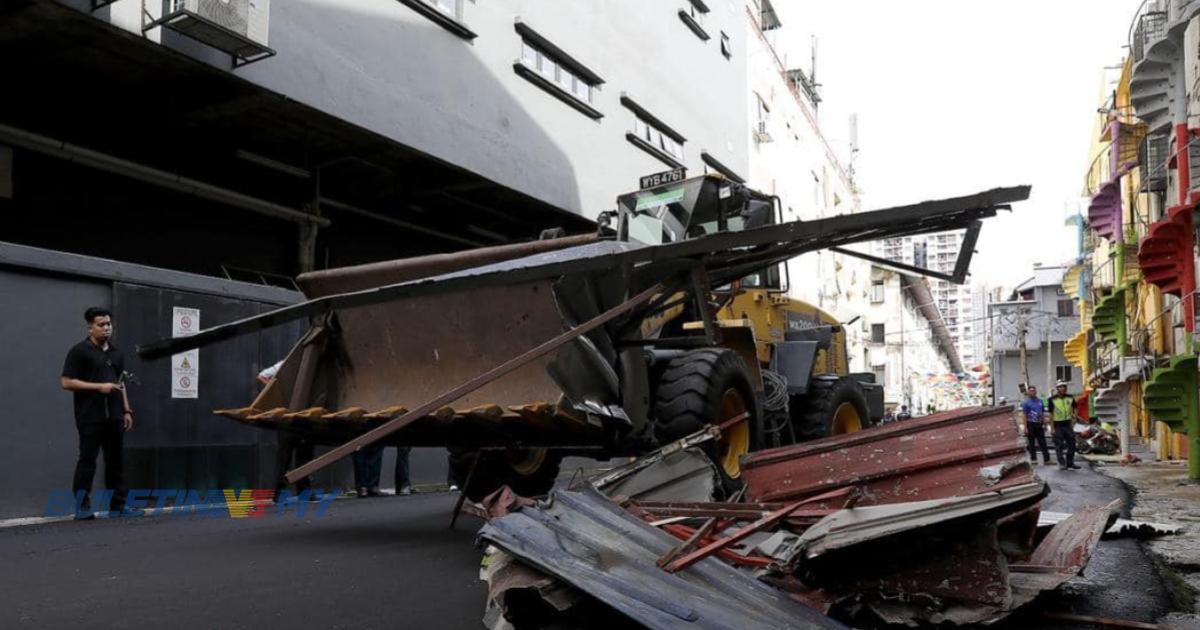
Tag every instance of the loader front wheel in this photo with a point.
(706, 387)
(832, 406)
(530, 472)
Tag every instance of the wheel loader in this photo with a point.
(611, 344)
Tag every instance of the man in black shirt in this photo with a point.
(92, 371)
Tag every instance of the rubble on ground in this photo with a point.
(925, 522)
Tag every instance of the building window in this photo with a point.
(555, 72)
(1066, 308)
(653, 136)
(726, 47)
(692, 15)
(920, 255)
(445, 13)
(877, 292)
(452, 8)
(877, 334)
(1062, 373)
(880, 373)
(551, 69)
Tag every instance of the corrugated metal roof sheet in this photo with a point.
(942, 455)
(588, 541)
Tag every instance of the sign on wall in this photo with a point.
(185, 366)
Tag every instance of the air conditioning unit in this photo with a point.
(238, 27)
(760, 132)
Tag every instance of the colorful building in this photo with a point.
(1135, 278)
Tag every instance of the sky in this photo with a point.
(958, 96)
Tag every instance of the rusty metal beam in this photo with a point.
(767, 521)
(717, 545)
(313, 346)
(698, 535)
(731, 512)
(701, 293)
(455, 393)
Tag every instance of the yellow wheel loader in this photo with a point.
(512, 357)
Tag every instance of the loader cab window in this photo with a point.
(759, 213)
(773, 279)
(671, 213)
(693, 208)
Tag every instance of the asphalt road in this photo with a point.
(371, 563)
(376, 563)
(1121, 581)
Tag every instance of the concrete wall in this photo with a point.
(381, 65)
(38, 445)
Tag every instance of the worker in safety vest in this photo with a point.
(1063, 413)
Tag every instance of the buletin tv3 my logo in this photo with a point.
(232, 503)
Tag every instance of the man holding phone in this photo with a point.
(93, 371)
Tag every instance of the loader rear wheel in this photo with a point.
(530, 472)
(832, 406)
(706, 387)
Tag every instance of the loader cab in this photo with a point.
(698, 207)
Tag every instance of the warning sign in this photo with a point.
(185, 366)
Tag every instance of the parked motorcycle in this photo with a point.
(1092, 438)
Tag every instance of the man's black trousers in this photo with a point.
(1064, 442)
(107, 436)
(1035, 436)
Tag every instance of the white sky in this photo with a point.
(957, 96)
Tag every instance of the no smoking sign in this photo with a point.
(185, 366)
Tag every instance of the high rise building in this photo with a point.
(962, 305)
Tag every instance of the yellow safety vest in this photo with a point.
(1060, 408)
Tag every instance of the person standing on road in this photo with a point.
(1035, 431)
(368, 467)
(1063, 413)
(92, 371)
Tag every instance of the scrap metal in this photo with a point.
(727, 256)
(1121, 527)
(938, 456)
(766, 521)
(903, 537)
(586, 540)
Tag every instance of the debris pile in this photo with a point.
(929, 521)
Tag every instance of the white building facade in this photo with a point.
(907, 347)
(790, 157)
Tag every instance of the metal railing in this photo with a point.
(1153, 159)
(1099, 171)
(1194, 163)
(1149, 24)
(1141, 338)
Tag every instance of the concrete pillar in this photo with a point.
(306, 246)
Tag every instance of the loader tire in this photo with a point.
(832, 406)
(705, 387)
(530, 472)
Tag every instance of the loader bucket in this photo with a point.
(369, 364)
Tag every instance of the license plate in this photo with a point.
(665, 177)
